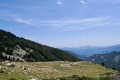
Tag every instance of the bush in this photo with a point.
(1, 71)
(12, 79)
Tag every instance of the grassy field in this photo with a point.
(48, 70)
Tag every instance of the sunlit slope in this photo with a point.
(48, 70)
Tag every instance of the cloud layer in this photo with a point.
(69, 24)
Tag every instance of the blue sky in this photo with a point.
(63, 23)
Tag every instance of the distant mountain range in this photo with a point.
(106, 56)
(91, 50)
(109, 60)
(14, 48)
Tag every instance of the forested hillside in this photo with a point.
(14, 48)
(109, 60)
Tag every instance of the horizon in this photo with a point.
(69, 47)
(63, 23)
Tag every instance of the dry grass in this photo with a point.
(46, 70)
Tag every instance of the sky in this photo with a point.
(63, 23)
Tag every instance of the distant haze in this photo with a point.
(91, 50)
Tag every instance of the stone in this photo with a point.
(33, 79)
(65, 65)
(10, 65)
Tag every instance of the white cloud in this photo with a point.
(59, 2)
(70, 24)
(82, 2)
(19, 19)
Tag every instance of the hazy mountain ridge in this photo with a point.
(82, 57)
(91, 50)
(109, 60)
(19, 49)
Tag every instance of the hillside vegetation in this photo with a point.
(14, 48)
(52, 70)
(109, 60)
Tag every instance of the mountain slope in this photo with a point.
(19, 49)
(89, 50)
(110, 60)
(82, 57)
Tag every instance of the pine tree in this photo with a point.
(102, 64)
